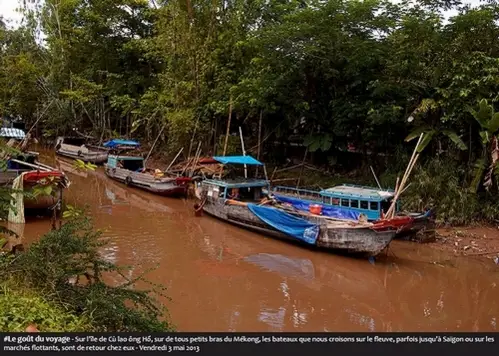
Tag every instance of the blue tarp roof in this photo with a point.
(238, 160)
(114, 143)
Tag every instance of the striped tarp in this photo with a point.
(12, 133)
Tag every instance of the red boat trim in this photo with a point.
(37, 175)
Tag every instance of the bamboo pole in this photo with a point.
(410, 166)
(397, 184)
(178, 154)
(196, 159)
(244, 152)
(302, 168)
(154, 144)
(192, 138)
(376, 178)
(259, 140)
(226, 135)
(228, 128)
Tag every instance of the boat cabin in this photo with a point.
(244, 190)
(370, 201)
(130, 163)
(366, 200)
(71, 141)
(238, 188)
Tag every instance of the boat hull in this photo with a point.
(359, 241)
(91, 157)
(171, 187)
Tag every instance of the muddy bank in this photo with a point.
(477, 242)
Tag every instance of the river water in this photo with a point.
(222, 278)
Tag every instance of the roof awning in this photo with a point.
(115, 143)
(12, 133)
(238, 160)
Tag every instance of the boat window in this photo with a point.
(131, 165)
(325, 200)
(354, 203)
(74, 141)
(373, 205)
(335, 201)
(364, 204)
(345, 202)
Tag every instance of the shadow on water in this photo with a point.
(220, 277)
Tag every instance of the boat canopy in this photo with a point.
(9, 132)
(238, 183)
(359, 192)
(238, 160)
(115, 143)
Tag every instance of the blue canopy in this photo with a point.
(114, 143)
(238, 160)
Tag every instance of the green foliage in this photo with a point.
(20, 309)
(81, 166)
(65, 265)
(72, 213)
(440, 184)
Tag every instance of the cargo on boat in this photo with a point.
(242, 202)
(124, 166)
(78, 148)
(352, 202)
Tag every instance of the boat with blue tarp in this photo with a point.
(126, 166)
(351, 202)
(243, 202)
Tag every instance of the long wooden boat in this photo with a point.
(78, 148)
(131, 170)
(239, 202)
(352, 202)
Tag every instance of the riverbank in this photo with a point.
(477, 242)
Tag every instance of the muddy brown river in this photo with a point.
(222, 278)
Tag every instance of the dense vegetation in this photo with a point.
(327, 75)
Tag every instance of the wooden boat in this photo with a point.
(78, 148)
(353, 201)
(239, 202)
(131, 170)
(35, 174)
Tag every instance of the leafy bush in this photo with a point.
(65, 266)
(441, 185)
(18, 310)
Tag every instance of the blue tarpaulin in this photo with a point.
(238, 160)
(327, 210)
(114, 143)
(288, 224)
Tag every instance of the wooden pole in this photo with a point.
(226, 135)
(178, 154)
(228, 128)
(196, 159)
(302, 168)
(412, 162)
(244, 152)
(376, 178)
(259, 140)
(154, 144)
(192, 138)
